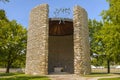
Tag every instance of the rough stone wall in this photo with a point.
(37, 44)
(81, 42)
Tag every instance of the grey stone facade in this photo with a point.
(37, 43)
(38, 47)
(81, 42)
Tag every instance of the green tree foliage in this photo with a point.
(108, 43)
(94, 26)
(4, 0)
(2, 15)
(113, 13)
(107, 40)
(13, 39)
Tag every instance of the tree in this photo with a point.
(108, 41)
(94, 26)
(111, 19)
(113, 13)
(2, 15)
(13, 41)
(105, 40)
(4, 0)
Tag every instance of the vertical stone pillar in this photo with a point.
(81, 42)
(37, 44)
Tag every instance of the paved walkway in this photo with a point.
(74, 77)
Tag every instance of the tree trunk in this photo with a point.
(108, 66)
(8, 63)
(8, 67)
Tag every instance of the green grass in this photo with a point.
(16, 76)
(98, 75)
(104, 75)
(7, 74)
(110, 78)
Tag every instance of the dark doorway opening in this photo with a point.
(60, 46)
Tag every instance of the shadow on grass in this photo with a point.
(98, 75)
(117, 73)
(7, 74)
(26, 78)
(105, 73)
(101, 74)
(20, 76)
(118, 78)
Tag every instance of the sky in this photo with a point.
(19, 10)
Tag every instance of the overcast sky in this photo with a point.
(19, 10)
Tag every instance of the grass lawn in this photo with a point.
(110, 78)
(16, 76)
(101, 74)
(98, 75)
